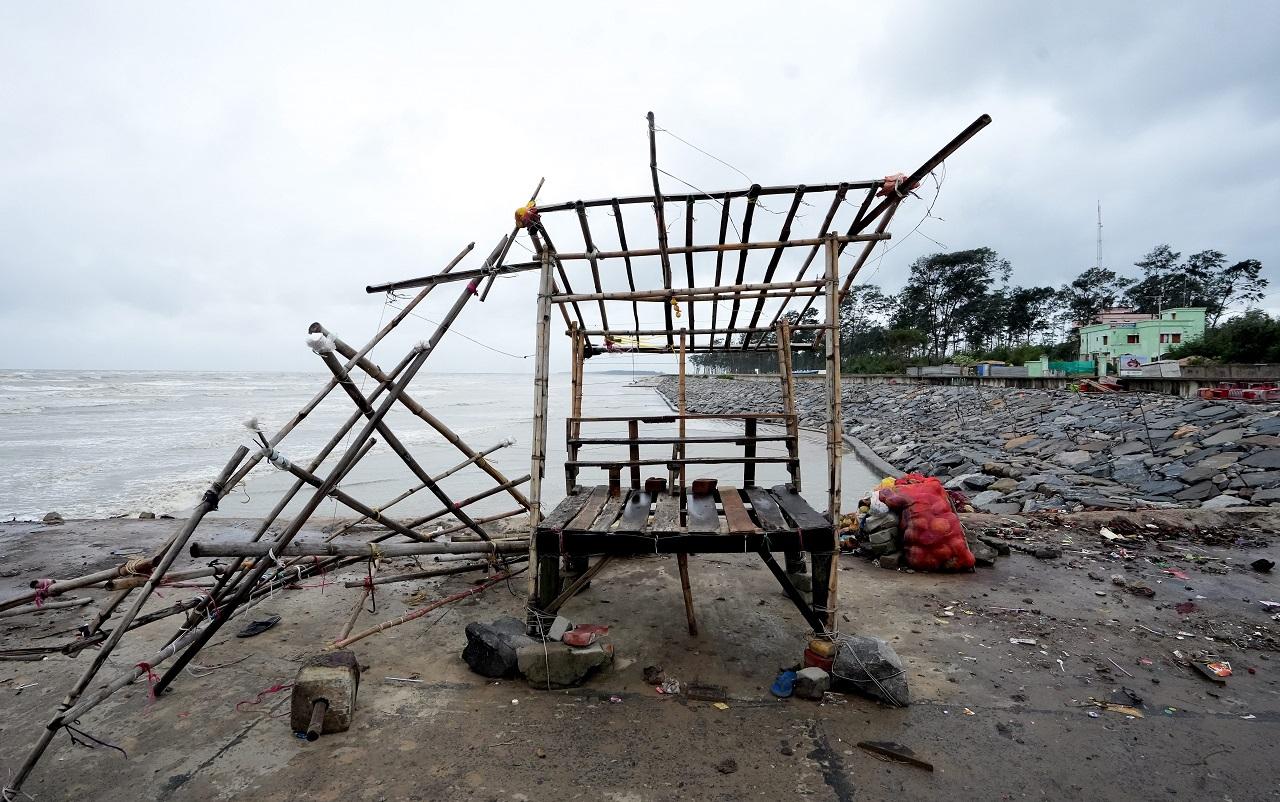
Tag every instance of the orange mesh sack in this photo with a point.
(932, 537)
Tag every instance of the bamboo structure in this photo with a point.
(740, 273)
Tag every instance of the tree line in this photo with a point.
(962, 304)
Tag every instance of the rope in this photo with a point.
(138, 566)
(152, 679)
(42, 591)
(72, 732)
(262, 695)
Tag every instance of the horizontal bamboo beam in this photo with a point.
(660, 332)
(245, 548)
(690, 292)
(720, 196)
(673, 418)
(718, 248)
(675, 461)
(61, 604)
(428, 573)
(692, 440)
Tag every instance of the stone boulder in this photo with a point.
(1222, 502)
(491, 648)
(871, 667)
(812, 683)
(557, 665)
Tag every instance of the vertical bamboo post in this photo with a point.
(574, 428)
(540, 584)
(794, 559)
(633, 451)
(835, 425)
(787, 376)
(682, 559)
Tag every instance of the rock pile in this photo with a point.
(1013, 450)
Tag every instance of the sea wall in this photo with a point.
(1021, 450)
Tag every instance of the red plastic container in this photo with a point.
(813, 659)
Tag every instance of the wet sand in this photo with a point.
(998, 720)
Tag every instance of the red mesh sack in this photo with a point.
(931, 533)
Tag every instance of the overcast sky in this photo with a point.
(189, 185)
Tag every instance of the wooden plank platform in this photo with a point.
(723, 519)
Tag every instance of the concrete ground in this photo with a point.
(998, 720)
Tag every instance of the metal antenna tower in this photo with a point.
(1099, 263)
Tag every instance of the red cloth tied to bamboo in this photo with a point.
(895, 184)
(932, 537)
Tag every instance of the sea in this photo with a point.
(102, 444)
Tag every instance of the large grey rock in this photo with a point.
(981, 481)
(1163, 487)
(1221, 502)
(1073, 458)
(557, 665)
(1270, 495)
(871, 667)
(1262, 478)
(1267, 458)
(52, 518)
(1197, 492)
(812, 683)
(1131, 447)
(491, 648)
(1004, 485)
(1267, 425)
(981, 500)
(1224, 436)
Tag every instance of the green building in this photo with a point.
(1117, 332)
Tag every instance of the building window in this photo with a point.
(1133, 339)
(1173, 315)
(1170, 338)
(1104, 339)
(1177, 338)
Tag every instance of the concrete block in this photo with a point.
(333, 677)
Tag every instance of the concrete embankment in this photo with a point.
(1019, 450)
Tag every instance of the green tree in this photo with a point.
(1092, 291)
(942, 290)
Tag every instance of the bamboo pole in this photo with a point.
(787, 376)
(61, 604)
(626, 260)
(690, 292)
(467, 502)
(397, 446)
(682, 558)
(129, 582)
(688, 258)
(425, 415)
(506, 246)
(420, 354)
(429, 573)
(823, 230)
(60, 586)
(657, 332)
(307, 408)
(835, 425)
(367, 584)
(726, 247)
(438, 478)
(346, 498)
(245, 548)
(752, 196)
(538, 452)
(660, 217)
(722, 195)
(591, 259)
(724, 231)
(574, 425)
(177, 542)
(421, 611)
(783, 235)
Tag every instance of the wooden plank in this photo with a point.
(725, 460)
(595, 502)
(735, 512)
(767, 511)
(564, 511)
(701, 512)
(609, 513)
(666, 514)
(635, 513)
(798, 509)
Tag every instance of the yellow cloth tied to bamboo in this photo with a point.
(527, 215)
(675, 304)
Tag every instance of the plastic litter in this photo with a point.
(784, 685)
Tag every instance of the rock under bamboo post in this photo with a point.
(177, 543)
(544, 574)
(835, 425)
